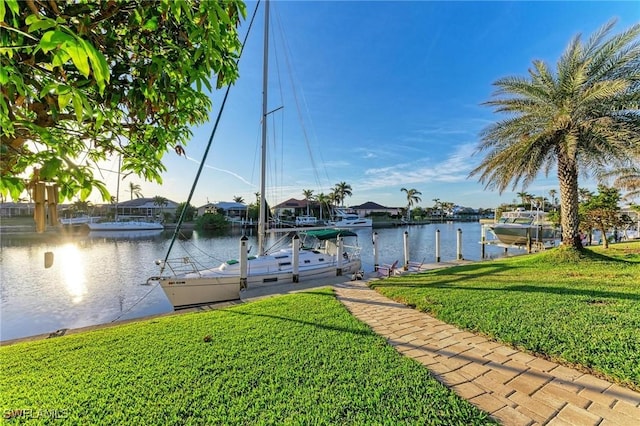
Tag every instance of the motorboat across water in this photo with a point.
(520, 226)
(345, 219)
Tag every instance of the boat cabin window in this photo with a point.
(522, 220)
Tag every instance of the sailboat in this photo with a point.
(309, 255)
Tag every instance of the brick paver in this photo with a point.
(514, 387)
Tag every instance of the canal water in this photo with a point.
(100, 278)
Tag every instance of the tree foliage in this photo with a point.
(211, 222)
(189, 212)
(82, 81)
(601, 212)
(579, 118)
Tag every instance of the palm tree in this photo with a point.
(308, 196)
(342, 190)
(627, 179)
(540, 201)
(437, 206)
(135, 189)
(579, 117)
(552, 195)
(412, 197)
(160, 202)
(238, 199)
(448, 206)
(525, 197)
(81, 206)
(323, 200)
(584, 195)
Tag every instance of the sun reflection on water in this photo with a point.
(72, 271)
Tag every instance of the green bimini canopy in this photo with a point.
(329, 234)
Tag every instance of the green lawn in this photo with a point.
(582, 310)
(296, 359)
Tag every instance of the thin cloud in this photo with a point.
(229, 172)
(454, 168)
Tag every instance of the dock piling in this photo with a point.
(406, 250)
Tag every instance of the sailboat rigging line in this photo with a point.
(135, 304)
(206, 151)
(292, 81)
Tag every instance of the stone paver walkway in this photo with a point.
(514, 387)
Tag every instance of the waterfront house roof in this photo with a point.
(292, 203)
(370, 205)
(145, 202)
(225, 205)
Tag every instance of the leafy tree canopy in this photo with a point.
(85, 80)
(601, 211)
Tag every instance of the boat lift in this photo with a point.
(531, 246)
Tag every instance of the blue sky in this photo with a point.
(385, 95)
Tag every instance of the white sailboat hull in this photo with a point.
(125, 226)
(217, 285)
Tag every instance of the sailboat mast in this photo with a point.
(118, 187)
(265, 74)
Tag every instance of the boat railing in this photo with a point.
(352, 252)
(180, 265)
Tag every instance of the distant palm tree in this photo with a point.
(583, 115)
(552, 194)
(308, 196)
(81, 206)
(238, 199)
(437, 206)
(525, 197)
(160, 202)
(584, 195)
(135, 189)
(447, 207)
(627, 179)
(342, 190)
(323, 200)
(413, 196)
(540, 201)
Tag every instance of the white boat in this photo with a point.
(127, 234)
(129, 223)
(78, 220)
(518, 226)
(306, 221)
(318, 254)
(187, 284)
(345, 219)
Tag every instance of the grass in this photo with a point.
(295, 359)
(578, 308)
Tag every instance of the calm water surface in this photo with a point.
(97, 279)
